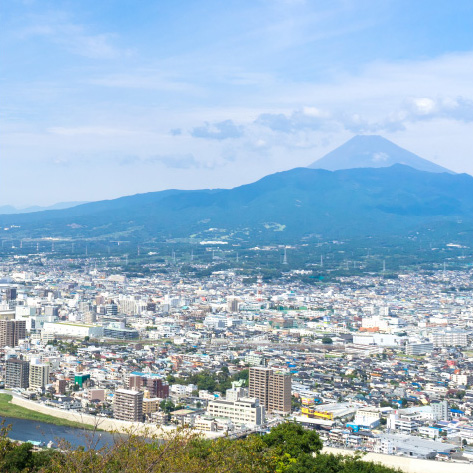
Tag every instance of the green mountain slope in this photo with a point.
(286, 205)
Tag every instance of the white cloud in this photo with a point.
(423, 106)
(89, 130)
(218, 131)
(75, 38)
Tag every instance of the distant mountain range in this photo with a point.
(285, 206)
(9, 209)
(372, 151)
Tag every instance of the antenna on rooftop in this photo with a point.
(284, 260)
(259, 293)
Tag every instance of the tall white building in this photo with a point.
(440, 410)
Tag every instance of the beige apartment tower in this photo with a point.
(273, 389)
(39, 375)
(128, 405)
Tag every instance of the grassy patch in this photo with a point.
(12, 410)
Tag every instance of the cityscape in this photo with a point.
(236, 237)
(376, 363)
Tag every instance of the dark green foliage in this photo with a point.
(16, 458)
(288, 448)
(329, 463)
(167, 405)
(293, 439)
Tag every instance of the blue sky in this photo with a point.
(109, 98)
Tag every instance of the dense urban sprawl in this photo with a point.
(375, 363)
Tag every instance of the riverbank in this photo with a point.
(10, 409)
(406, 464)
(104, 423)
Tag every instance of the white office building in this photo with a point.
(366, 417)
(245, 411)
(450, 338)
(419, 348)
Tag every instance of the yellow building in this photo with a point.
(150, 405)
(314, 414)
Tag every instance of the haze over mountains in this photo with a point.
(372, 151)
(286, 206)
(9, 209)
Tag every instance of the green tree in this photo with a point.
(293, 439)
(167, 405)
(18, 458)
(288, 448)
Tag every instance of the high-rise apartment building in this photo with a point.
(111, 309)
(128, 405)
(156, 386)
(17, 373)
(90, 317)
(39, 375)
(10, 293)
(233, 304)
(11, 331)
(273, 389)
(440, 410)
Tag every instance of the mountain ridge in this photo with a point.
(288, 205)
(10, 209)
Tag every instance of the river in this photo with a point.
(24, 430)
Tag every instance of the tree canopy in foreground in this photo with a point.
(288, 448)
